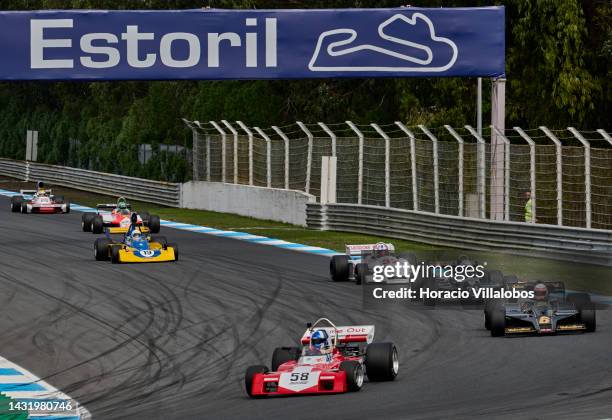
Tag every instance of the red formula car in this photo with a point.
(331, 360)
(39, 200)
(117, 218)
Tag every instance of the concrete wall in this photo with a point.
(263, 203)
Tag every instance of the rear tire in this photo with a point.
(161, 240)
(24, 207)
(101, 249)
(587, 316)
(283, 355)
(16, 201)
(354, 375)
(67, 206)
(145, 217)
(86, 221)
(361, 271)
(97, 224)
(339, 268)
(250, 375)
(381, 362)
(580, 300)
(176, 250)
(154, 223)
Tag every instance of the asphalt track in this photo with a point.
(172, 341)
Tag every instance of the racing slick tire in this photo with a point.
(24, 207)
(101, 249)
(248, 378)
(16, 203)
(489, 307)
(339, 268)
(354, 375)
(176, 250)
(86, 221)
(498, 321)
(153, 223)
(409, 256)
(115, 259)
(587, 317)
(145, 217)
(97, 224)
(361, 270)
(381, 362)
(160, 240)
(580, 300)
(283, 355)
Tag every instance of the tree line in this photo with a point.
(557, 63)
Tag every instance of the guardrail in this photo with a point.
(591, 246)
(168, 194)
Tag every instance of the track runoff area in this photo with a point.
(232, 320)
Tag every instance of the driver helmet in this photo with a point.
(380, 250)
(138, 240)
(540, 292)
(319, 340)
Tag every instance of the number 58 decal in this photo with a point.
(299, 376)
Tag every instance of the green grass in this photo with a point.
(5, 409)
(585, 277)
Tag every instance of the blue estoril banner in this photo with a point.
(251, 44)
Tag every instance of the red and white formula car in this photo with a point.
(339, 366)
(39, 200)
(117, 218)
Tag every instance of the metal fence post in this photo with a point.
(360, 164)
(207, 150)
(413, 167)
(387, 163)
(250, 134)
(605, 135)
(460, 165)
(223, 154)
(286, 140)
(195, 150)
(309, 161)
(331, 135)
(532, 170)
(506, 171)
(235, 134)
(268, 155)
(587, 174)
(481, 170)
(559, 153)
(434, 141)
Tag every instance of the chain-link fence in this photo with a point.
(444, 170)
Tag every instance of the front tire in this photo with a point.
(176, 250)
(24, 207)
(498, 322)
(16, 201)
(160, 240)
(587, 316)
(361, 270)
(250, 375)
(354, 375)
(381, 362)
(339, 268)
(101, 249)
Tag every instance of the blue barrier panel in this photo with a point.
(251, 44)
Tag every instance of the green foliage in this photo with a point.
(558, 68)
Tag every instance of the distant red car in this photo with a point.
(39, 201)
(117, 217)
(342, 367)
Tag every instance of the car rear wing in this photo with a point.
(357, 250)
(344, 335)
(116, 230)
(32, 192)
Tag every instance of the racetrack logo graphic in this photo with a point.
(337, 50)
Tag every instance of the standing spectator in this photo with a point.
(528, 208)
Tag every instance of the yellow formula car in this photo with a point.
(135, 248)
